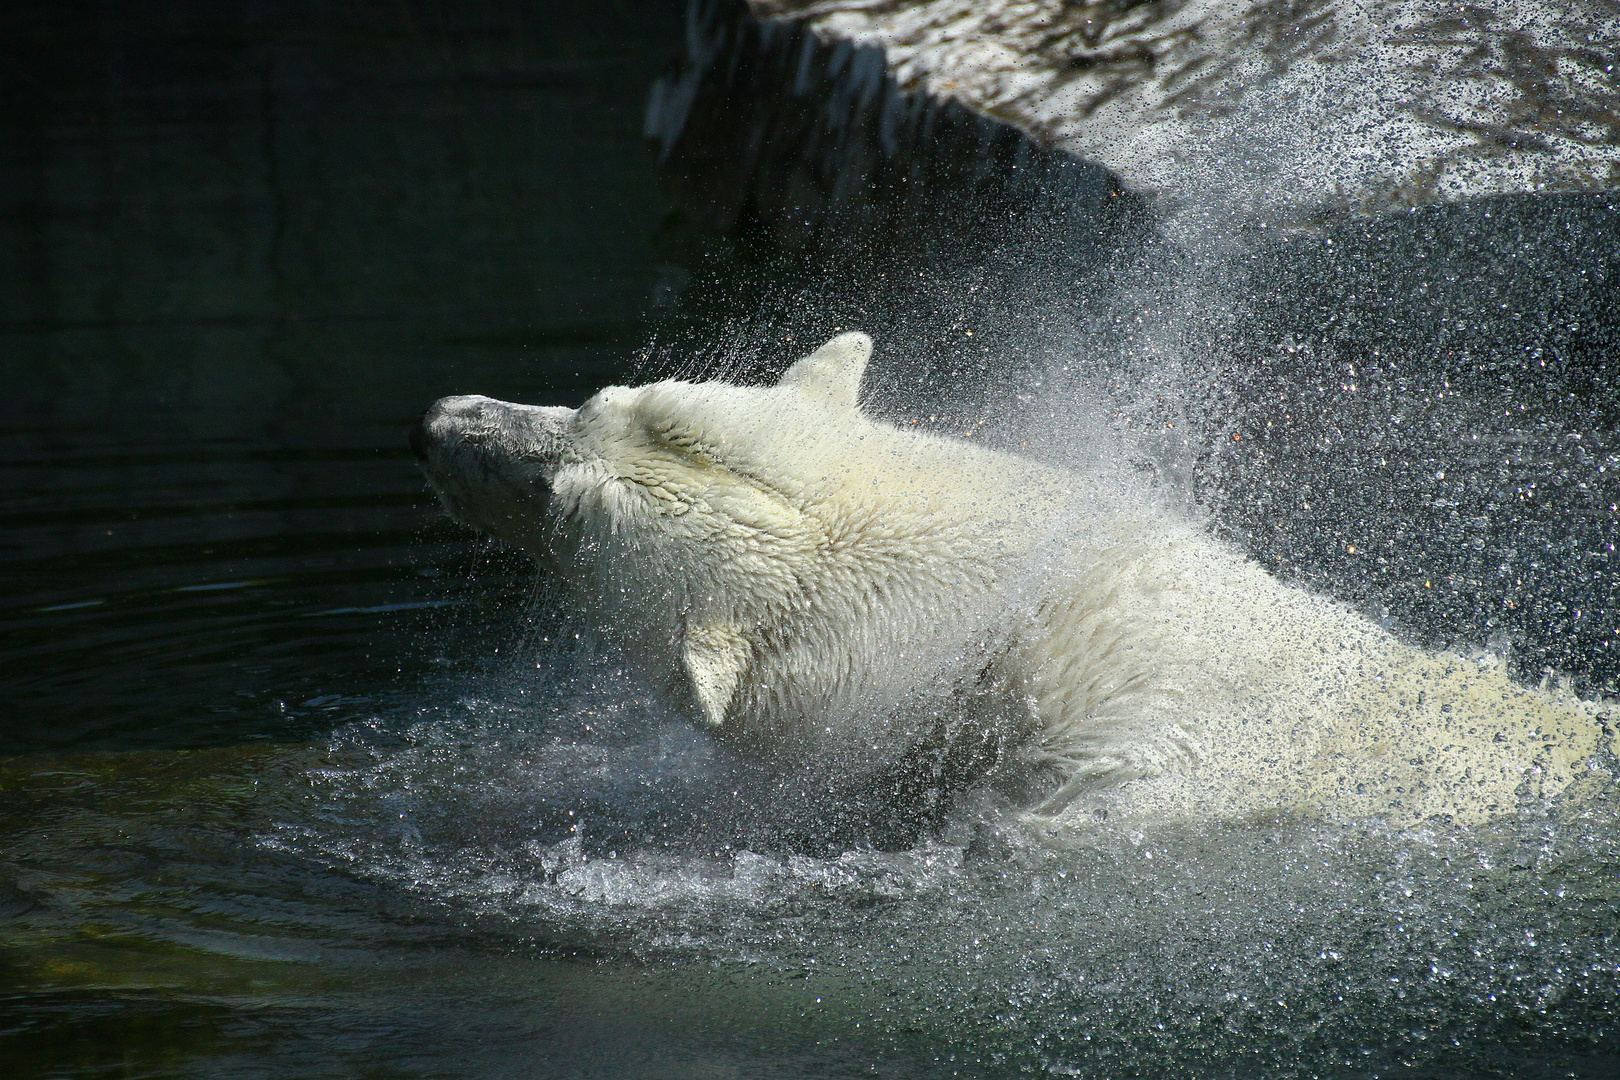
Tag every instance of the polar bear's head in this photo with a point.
(703, 521)
(771, 557)
(660, 452)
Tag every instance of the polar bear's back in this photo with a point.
(1174, 676)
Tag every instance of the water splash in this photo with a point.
(557, 809)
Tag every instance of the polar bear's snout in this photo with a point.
(488, 459)
(498, 431)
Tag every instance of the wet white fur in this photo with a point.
(812, 582)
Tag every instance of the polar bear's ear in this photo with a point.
(832, 374)
(714, 658)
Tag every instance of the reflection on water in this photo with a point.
(299, 779)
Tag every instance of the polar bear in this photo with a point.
(818, 586)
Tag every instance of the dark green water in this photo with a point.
(297, 779)
(243, 248)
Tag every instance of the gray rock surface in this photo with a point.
(1274, 105)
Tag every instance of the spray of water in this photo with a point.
(550, 799)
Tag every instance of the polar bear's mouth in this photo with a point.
(486, 459)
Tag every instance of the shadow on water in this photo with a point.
(301, 780)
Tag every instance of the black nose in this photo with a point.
(419, 436)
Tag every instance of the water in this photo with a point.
(243, 250)
(300, 780)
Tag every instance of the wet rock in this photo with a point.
(765, 128)
(1293, 105)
